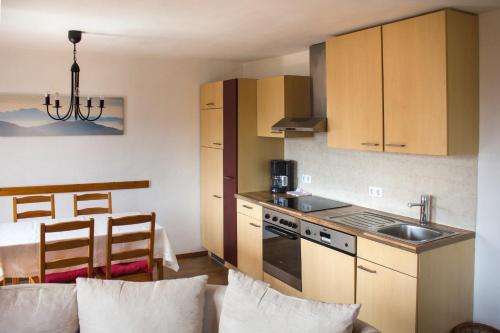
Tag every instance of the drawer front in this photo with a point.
(388, 256)
(249, 209)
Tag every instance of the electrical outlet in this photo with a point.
(306, 179)
(375, 192)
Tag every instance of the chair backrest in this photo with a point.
(128, 238)
(16, 201)
(66, 244)
(92, 197)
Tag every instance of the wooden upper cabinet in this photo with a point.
(280, 97)
(211, 133)
(354, 90)
(430, 66)
(211, 95)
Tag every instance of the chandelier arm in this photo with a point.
(99, 116)
(50, 115)
(69, 113)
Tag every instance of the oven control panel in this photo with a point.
(281, 220)
(329, 237)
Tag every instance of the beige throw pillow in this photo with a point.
(166, 306)
(251, 306)
(38, 308)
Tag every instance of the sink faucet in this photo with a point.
(425, 208)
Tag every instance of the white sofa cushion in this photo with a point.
(38, 308)
(161, 306)
(251, 306)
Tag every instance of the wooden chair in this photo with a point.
(66, 244)
(33, 213)
(141, 270)
(92, 197)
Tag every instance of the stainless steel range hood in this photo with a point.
(316, 123)
(301, 125)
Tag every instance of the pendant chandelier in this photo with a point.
(74, 37)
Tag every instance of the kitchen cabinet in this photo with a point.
(354, 88)
(234, 159)
(279, 97)
(211, 132)
(211, 95)
(401, 291)
(211, 210)
(390, 297)
(431, 84)
(327, 275)
(250, 243)
(422, 70)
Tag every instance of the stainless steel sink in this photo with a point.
(392, 227)
(413, 233)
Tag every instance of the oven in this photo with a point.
(281, 247)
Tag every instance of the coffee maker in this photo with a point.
(282, 176)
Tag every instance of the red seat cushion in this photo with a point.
(66, 277)
(128, 268)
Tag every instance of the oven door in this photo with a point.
(281, 252)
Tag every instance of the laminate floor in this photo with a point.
(189, 267)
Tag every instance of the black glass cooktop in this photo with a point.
(308, 203)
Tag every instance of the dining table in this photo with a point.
(20, 242)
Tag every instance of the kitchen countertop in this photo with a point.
(321, 218)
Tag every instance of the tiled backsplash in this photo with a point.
(346, 175)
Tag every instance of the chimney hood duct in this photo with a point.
(316, 123)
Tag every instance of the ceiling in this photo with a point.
(239, 30)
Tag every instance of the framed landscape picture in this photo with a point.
(25, 115)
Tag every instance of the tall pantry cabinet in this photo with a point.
(233, 159)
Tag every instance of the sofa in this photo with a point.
(52, 302)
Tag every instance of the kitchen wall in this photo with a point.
(346, 175)
(161, 141)
(487, 282)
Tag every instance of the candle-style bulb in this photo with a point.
(101, 102)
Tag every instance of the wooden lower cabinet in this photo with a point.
(250, 246)
(401, 291)
(327, 275)
(388, 298)
(212, 209)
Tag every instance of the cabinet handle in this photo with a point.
(367, 269)
(398, 145)
(217, 143)
(254, 225)
(373, 144)
(210, 103)
(217, 196)
(228, 178)
(247, 207)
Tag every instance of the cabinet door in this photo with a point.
(415, 93)
(211, 95)
(211, 128)
(388, 298)
(327, 275)
(212, 227)
(354, 90)
(250, 246)
(270, 105)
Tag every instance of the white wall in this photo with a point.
(487, 278)
(346, 174)
(161, 141)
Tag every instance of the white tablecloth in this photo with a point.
(19, 243)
